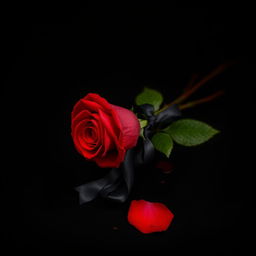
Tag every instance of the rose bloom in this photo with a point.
(103, 132)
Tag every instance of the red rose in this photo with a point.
(103, 132)
(149, 217)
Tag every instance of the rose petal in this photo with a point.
(87, 122)
(84, 114)
(111, 131)
(90, 135)
(130, 126)
(84, 148)
(112, 159)
(165, 166)
(79, 106)
(149, 217)
(109, 125)
(95, 135)
(93, 107)
(105, 139)
(94, 97)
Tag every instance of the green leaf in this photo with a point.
(142, 133)
(150, 96)
(143, 123)
(163, 143)
(189, 132)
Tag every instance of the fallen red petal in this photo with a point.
(165, 166)
(149, 217)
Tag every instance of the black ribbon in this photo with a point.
(117, 184)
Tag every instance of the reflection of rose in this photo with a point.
(149, 217)
(103, 132)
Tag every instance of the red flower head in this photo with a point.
(103, 132)
(149, 217)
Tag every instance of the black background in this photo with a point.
(54, 56)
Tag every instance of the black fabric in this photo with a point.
(117, 184)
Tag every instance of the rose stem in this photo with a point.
(187, 93)
(203, 100)
(191, 82)
(214, 73)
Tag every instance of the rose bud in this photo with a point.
(103, 132)
(149, 217)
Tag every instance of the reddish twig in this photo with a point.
(203, 100)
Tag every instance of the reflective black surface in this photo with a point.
(54, 56)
